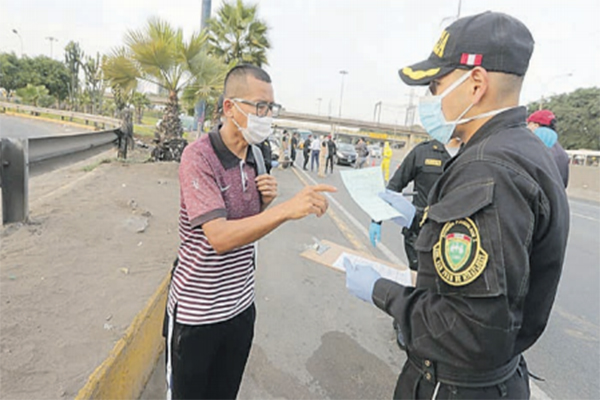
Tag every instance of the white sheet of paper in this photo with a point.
(364, 186)
(393, 274)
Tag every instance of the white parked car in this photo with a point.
(375, 150)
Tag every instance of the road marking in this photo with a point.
(536, 392)
(345, 229)
(384, 249)
(585, 217)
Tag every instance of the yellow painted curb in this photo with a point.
(56, 121)
(124, 374)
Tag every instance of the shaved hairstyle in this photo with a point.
(236, 79)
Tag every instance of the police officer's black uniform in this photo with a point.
(492, 241)
(423, 165)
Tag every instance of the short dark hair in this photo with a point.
(234, 77)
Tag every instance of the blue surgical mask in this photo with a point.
(433, 119)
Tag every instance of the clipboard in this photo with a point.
(328, 253)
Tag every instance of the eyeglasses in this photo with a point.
(262, 107)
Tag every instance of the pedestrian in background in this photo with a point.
(386, 160)
(294, 147)
(323, 154)
(543, 124)
(362, 153)
(315, 149)
(306, 151)
(331, 151)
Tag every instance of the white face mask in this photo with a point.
(258, 128)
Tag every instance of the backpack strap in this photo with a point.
(259, 160)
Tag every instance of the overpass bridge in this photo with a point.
(353, 127)
(344, 126)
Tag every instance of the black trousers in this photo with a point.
(306, 155)
(413, 385)
(329, 163)
(208, 361)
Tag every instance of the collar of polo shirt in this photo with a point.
(227, 158)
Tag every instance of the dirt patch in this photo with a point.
(72, 280)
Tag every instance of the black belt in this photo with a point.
(437, 372)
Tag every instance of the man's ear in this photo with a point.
(228, 108)
(480, 82)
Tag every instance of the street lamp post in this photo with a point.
(544, 86)
(51, 39)
(21, 39)
(319, 106)
(343, 73)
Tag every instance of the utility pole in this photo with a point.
(410, 110)
(21, 39)
(51, 39)
(376, 115)
(319, 106)
(343, 73)
(206, 5)
(200, 108)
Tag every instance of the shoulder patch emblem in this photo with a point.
(433, 161)
(458, 256)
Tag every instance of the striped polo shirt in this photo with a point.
(214, 183)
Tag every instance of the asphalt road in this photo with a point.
(16, 127)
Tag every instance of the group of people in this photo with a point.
(321, 152)
(488, 244)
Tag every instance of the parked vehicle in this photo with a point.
(346, 154)
(375, 150)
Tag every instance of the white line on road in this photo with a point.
(536, 392)
(585, 217)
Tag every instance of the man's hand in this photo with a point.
(308, 201)
(267, 186)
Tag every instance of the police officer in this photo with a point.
(543, 124)
(493, 237)
(423, 165)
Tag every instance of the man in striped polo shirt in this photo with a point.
(223, 213)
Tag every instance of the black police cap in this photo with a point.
(494, 41)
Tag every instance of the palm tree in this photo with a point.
(158, 54)
(32, 94)
(140, 102)
(236, 34)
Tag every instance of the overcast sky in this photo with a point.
(312, 40)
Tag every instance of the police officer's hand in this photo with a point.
(267, 186)
(375, 233)
(309, 200)
(360, 281)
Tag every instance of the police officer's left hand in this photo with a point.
(360, 281)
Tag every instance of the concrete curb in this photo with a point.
(124, 374)
(56, 121)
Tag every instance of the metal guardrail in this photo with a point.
(18, 155)
(87, 118)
